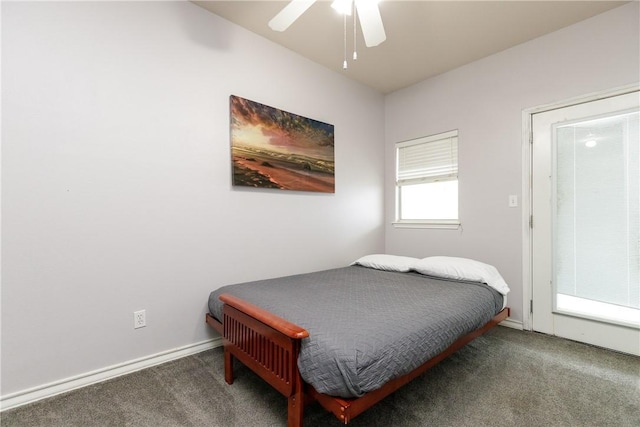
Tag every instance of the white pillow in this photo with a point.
(387, 262)
(462, 269)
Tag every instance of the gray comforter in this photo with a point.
(368, 326)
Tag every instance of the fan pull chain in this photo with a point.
(355, 24)
(344, 64)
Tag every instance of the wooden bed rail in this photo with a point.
(347, 409)
(270, 345)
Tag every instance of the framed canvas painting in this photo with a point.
(271, 148)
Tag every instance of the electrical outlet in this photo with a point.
(139, 319)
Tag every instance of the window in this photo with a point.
(427, 181)
(597, 211)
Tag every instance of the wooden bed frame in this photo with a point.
(269, 346)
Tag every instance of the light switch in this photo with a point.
(513, 201)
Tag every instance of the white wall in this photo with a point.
(116, 179)
(484, 100)
(116, 169)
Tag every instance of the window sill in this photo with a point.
(449, 225)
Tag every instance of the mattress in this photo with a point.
(368, 326)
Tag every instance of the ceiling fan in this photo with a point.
(367, 11)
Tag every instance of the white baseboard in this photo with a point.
(49, 390)
(514, 324)
(34, 394)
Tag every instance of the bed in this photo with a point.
(350, 336)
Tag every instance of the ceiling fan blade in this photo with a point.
(370, 22)
(289, 14)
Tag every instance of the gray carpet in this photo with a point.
(505, 378)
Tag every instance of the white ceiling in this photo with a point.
(424, 38)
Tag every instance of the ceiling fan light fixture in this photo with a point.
(364, 11)
(343, 7)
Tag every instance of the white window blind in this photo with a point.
(429, 159)
(427, 181)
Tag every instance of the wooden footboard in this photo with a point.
(269, 346)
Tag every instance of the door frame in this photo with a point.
(527, 186)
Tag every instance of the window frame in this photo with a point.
(448, 175)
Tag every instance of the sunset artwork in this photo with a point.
(271, 148)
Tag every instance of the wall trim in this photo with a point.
(45, 391)
(513, 324)
(34, 394)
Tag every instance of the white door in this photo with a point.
(586, 222)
